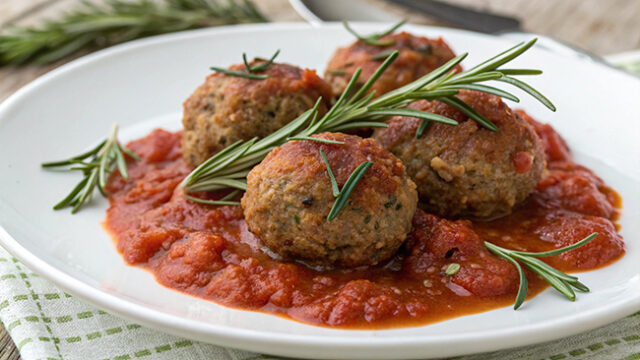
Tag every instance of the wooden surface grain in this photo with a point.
(601, 27)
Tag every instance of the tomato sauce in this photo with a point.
(207, 252)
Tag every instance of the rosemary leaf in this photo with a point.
(374, 39)
(129, 153)
(104, 159)
(263, 66)
(487, 76)
(502, 58)
(76, 159)
(561, 250)
(121, 163)
(520, 71)
(219, 184)
(360, 125)
(393, 28)
(433, 94)
(523, 288)
(469, 111)
(529, 90)
(423, 83)
(376, 75)
(91, 26)
(67, 200)
(334, 183)
(348, 188)
(212, 202)
(486, 89)
(414, 113)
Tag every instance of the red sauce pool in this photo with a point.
(207, 251)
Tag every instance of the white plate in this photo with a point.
(141, 85)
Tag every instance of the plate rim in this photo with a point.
(477, 341)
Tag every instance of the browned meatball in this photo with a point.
(417, 57)
(229, 108)
(289, 197)
(468, 170)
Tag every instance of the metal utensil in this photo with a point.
(463, 17)
(319, 11)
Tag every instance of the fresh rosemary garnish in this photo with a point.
(560, 281)
(104, 159)
(348, 188)
(374, 39)
(94, 26)
(250, 69)
(358, 109)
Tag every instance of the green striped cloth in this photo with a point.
(47, 323)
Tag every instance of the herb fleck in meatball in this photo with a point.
(435, 243)
(468, 170)
(228, 108)
(417, 57)
(289, 197)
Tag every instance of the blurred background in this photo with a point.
(38, 35)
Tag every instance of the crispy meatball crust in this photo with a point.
(229, 108)
(289, 197)
(467, 170)
(417, 57)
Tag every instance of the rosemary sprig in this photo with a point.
(94, 26)
(250, 69)
(560, 281)
(343, 195)
(104, 159)
(374, 39)
(357, 109)
(320, 140)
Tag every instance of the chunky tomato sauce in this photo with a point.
(207, 251)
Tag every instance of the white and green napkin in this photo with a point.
(47, 323)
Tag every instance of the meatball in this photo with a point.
(468, 170)
(289, 197)
(228, 108)
(417, 57)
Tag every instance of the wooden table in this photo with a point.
(601, 27)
